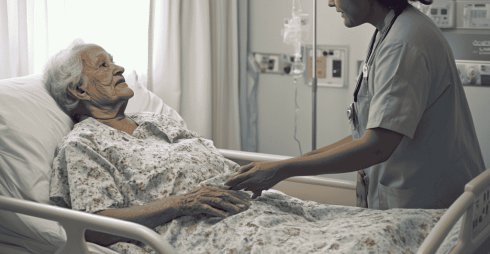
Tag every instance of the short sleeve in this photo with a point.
(400, 89)
(83, 180)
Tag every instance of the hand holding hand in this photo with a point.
(213, 201)
(256, 177)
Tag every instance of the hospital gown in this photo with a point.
(97, 167)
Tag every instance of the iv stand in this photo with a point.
(314, 84)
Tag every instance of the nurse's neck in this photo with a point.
(378, 15)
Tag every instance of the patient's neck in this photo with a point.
(110, 116)
(121, 123)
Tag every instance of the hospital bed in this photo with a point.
(31, 125)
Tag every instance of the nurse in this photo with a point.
(413, 141)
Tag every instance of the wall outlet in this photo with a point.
(474, 73)
(331, 65)
(268, 63)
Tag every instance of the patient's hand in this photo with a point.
(213, 201)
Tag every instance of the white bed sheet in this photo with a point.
(280, 224)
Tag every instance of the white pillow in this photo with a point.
(31, 126)
(146, 101)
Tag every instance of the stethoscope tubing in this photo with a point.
(371, 52)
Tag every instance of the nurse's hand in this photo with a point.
(256, 177)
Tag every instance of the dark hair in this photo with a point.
(399, 5)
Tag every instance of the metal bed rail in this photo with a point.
(473, 205)
(75, 223)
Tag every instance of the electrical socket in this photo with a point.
(269, 63)
(474, 73)
(331, 65)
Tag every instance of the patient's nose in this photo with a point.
(118, 70)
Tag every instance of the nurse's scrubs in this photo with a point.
(411, 86)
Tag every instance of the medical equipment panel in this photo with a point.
(441, 12)
(331, 65)
(467, 14)
(466, 26)
(476, 15)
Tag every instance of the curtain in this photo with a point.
(33, 30)
(193, 59)
(14, 52)
(249, 77)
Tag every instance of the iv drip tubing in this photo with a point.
(314, 84)
(296, 112)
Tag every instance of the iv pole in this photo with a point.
(314, 84)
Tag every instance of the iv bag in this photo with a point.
(295, 33)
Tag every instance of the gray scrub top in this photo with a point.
(413, 88)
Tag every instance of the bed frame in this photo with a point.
(472, 207)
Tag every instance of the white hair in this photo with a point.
(63, 71)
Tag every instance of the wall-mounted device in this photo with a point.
(474, 73)
(476, 15)
(272, 63)
(442, 12)
(331, 65)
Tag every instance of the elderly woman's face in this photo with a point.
(102, 79)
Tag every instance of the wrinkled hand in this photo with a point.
(214, 201)
(255, 177)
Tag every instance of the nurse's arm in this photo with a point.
(375, 146)
(331, 146)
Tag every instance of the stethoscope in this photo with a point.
(370, 55)
(363, 76)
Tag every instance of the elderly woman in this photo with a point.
(122, 166)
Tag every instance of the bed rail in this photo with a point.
(75, 223)
(474, 205)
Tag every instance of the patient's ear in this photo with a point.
(79, 92)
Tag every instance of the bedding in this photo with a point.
(163, 158)
(276, 223)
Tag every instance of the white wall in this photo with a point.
(479, 102)
(276, 92)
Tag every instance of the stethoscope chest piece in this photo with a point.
(365, 70)
(350, 111)
(351, 115)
